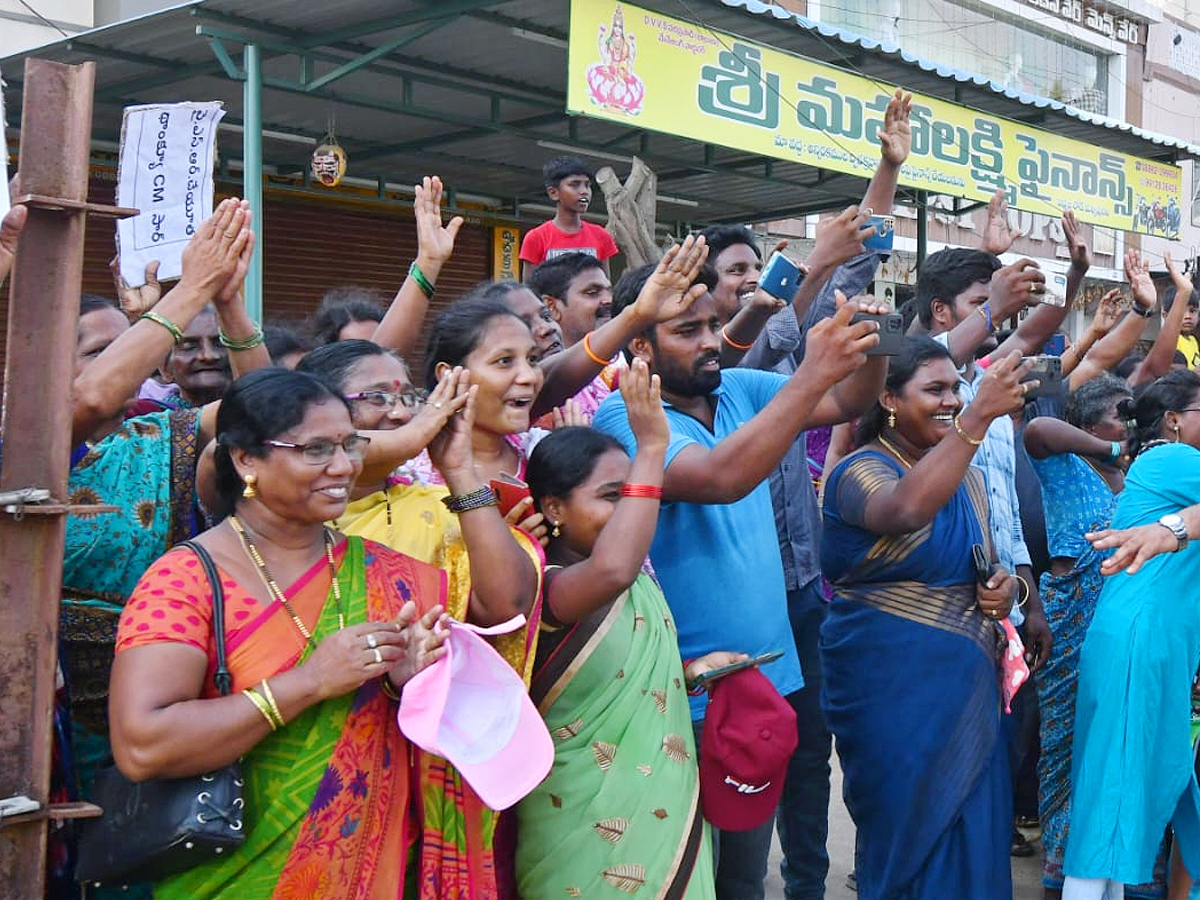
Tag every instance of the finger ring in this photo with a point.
(371, 642)
(1024, 389)
(378, 655)
(437, 405)
(231, 234)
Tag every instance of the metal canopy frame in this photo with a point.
(476, 91)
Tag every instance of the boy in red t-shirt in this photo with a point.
(569, 184)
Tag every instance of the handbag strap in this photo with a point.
(221, 677)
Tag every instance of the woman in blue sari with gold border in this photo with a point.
(912, 644)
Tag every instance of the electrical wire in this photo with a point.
(42, 18)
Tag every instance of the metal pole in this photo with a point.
(922, 228)
(43, 315)
(252, 172)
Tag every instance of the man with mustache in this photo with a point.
(715, 551)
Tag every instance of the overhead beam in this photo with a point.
(383, 50)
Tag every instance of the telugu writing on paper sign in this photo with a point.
(165, 172)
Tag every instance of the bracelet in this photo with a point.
(963, 434)
(985, 310)
(1024, 584)
(1114, 450)
(426, 286)
(265, 690)
(160, 319)
(261, 705)
(389, 689)
(587, 348)
(1144, 313)
(649, 491)
(235, 344)
(476, 499)
(732, 343)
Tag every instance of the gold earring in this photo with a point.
(555, 531)
(1177, 434)
(891, 420)
(250, 491)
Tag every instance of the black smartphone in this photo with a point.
(713, 674)
(1048, 372)
(891, 332)
(983, 565)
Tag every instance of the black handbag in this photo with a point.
(152, 829)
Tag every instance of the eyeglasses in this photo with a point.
(321, 451)
(1189, 409)
(410, 398)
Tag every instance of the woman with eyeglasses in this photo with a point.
(493, 568)
(322, 631)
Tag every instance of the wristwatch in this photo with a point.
(1174, 523)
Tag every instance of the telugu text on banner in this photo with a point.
(651, 71)
(166, 171)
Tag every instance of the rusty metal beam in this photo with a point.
(43, 316)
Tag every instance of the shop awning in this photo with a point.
(475, 90)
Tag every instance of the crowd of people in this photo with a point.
(981, 596)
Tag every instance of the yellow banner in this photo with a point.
(650, 71)
(506, 243)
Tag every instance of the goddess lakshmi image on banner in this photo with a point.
(612, 83)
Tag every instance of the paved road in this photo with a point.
(1027, 883)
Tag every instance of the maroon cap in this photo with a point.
(749, 736)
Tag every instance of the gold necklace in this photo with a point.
(273, 586)
(895, 452)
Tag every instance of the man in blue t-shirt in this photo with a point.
(715, 551)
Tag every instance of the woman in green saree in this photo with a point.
(620, 808)
(323, 631)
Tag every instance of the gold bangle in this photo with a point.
(587, 348)
(732, 343)
(389, 689)
(261, 705)
(270, 697)
(963, 434)
(1024, 584)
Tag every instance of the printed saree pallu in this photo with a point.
(619, 811)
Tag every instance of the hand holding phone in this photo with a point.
(707, 678)
(780, 278)
(509, 492)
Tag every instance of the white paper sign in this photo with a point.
(5, 200)
(166, 171)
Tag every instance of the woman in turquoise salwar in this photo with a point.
(1132, 772)
(620, 809)
(911, 647)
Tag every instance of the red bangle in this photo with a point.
(652, 491)
(734, 344)
(587, 348)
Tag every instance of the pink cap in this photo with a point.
(471, 708)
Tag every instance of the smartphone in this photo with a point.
(885, 234)
(983, 565)
(780, 278)
(1048, 372)
(509, 492)
(891, 332)
(713, 674)
(1056, 290)
(1056, 346)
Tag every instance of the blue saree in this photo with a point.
(911, 691)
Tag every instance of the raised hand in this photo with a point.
(214, 253)
(1081, 254)
(136, 300)
(1000, 390)
(671, 288)
(435, 242)
(450, 450)
(841, 238)
(532, 523)
(1015, 287)
(997, 236)
(835, 347)
(1108, 310)
(570, 414)
(896, 137)
(1183, 284)
(10, 231)
(1137, 273)
(643, 404)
